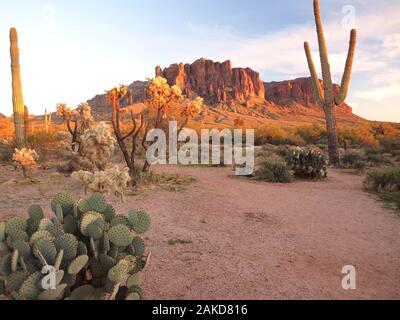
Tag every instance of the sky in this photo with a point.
(73, 50)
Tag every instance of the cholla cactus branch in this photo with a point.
(191, 109)
(98, 145)
(25, 161)
(81, 119)
(115, 97)
(109, 181)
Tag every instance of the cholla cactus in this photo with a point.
(98, 145)
(25, 160)
(77, 121)
(109, 181)
(115, 97)
(160, 95)
(194, 107)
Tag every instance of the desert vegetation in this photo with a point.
(326, 98)
(94, 168)
(96, 253)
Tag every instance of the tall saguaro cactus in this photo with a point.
(17, 97)
(326, 96)
(47, 119)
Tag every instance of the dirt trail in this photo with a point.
(254, 240)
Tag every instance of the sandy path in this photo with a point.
(268, 241)
(254, 240)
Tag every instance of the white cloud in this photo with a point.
(376, 62)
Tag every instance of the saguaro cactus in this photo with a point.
(26, 123)
(47, 119)
(17, 97)
(326, 97)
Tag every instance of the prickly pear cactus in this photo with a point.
(84, 252)
(307, 163)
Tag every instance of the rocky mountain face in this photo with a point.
(299, 90)
(216, 82)
(232, 92)
(100, 105)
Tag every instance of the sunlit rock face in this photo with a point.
(299, 90)
(215, 81)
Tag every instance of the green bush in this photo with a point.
(377, 160)
(314, 134)
(96, 254)
(373, 151)
(349, 159)
(383, 180)
(6, 151)
(391, 197)
(360, 165)
(307, 163)
(274, 172)
(390, 144)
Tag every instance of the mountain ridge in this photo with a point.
(230, 93)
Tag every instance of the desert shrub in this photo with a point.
(96, 254)
(307, 163)
(373, 151)
(6, 151)
(386, 130)
(277, 136)
(349, 159)
(377, 160)
(274, 171)
(360, 165)
(314, 134)
(390, 144)
(40, 139)
(25, 160)
(7, 129)
(391, 197)
(383, 180)
(361, 135)
(109, 181)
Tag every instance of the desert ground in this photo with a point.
(227, 237)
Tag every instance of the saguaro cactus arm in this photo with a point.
(323, 52)
(318, 93)
(341, 96)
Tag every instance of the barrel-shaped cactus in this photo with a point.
(17, 97)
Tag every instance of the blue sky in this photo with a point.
(72, 50)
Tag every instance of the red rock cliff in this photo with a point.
(215, 81)
(299, 90)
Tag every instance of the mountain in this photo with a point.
(299, 90)
(215, 81)
(230, 93)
